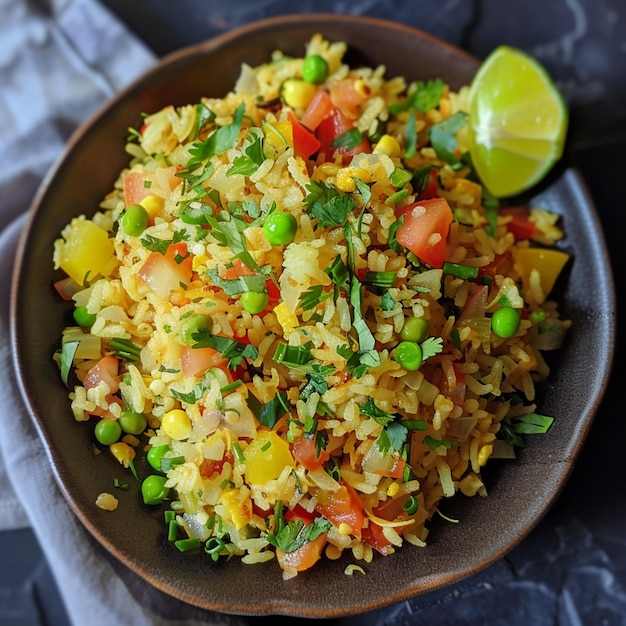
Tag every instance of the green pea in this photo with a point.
(505, 321)
(254, 301)
(414, 329)
(153, 489)
(83, 318)
(409, 355)
(191, 325)
(134, 220)
(155, 454)
(107, 431)
(314, 69)
(132, 422)
(280, 228)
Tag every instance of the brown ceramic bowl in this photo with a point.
(520, 491)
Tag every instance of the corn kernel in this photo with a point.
(239, 509)
(344, 179)
(344, 529)
(122, 452)
(106, 502)
(176, 424)
(153, 204)
(387, 145)
(298, 93)
(483, 454)
(285, 317)
(393, 489)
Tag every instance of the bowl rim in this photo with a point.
(39, 199)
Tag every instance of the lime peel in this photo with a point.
(517, 122)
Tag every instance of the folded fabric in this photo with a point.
(59, 62)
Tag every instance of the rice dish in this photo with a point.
(302, 308)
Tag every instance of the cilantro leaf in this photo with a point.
(350, 139)
(241, 284)
(425, 97)
(431, 346)
(232, 350)
(289, 536)
(326, 203)
(378, 415)
(154, 244)
(252, 156)
(218, 141)
(313, 296)
(230, 235)
(387, 302)
(204, 115)
(392, 438)
(270, 412)
(443, 136)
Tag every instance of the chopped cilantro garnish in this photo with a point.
(270, 412)
(423, 98)
(154, 244)
(432, 346)
(232, 350)
(330, 206)
(204, 115)
(443, 137)
(392, 438)
(252, 156)
(289, 536)
(218, 141)
(349, 140)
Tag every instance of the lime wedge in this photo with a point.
(517, 122)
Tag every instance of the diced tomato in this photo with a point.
(137, 185)
(347, 98)
(209, 467)
(196, 361)
(373, 536)
(342, 507)
(304, 557)
(305, 143)
(319, 108)
(179, 254)
(107, 370)
(431, 188)
(520, 224)
(425, 230)
(304, 451)
(163, 274)
(395, 471)
(135, 189)
(332, 127)
(299, 512)
(238, 269)
(273, 291)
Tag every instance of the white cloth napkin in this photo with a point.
(59, 61)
